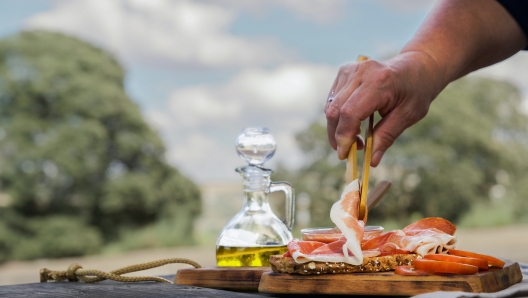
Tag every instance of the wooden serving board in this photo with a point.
(388, 283)
(228, 278)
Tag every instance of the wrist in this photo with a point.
(422, 72)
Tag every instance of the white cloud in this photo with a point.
(204, 121)
(158, 119)
(199, 123)
(194, 106)
(318, 11)
(184, 33)
(168, 33)
(202, 157)
(289, 88)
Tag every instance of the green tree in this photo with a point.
(473, 140)
(79, 167)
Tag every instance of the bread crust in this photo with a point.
(281, 264)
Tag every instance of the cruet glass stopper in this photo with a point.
(256, 145)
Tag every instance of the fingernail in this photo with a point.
(376, 158)
(340, 154)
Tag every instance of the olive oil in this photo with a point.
(247, 256)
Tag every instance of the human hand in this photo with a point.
(401, 90)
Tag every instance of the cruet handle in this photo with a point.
(290, 202)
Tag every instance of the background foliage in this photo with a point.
(81, 171)
(79, 168)
(465, 161)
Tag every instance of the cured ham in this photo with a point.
(423, 237)
(431, 223)
(424, 242)
(344, 214)
(306, 251)
(433, 235)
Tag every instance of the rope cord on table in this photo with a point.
(76, 273)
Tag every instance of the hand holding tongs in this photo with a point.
(352, 171)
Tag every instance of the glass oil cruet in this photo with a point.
(256, 232)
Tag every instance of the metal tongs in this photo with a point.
(352, 169)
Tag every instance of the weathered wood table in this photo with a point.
(115, 289)
(150, 289)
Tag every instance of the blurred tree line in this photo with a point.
(79, 167)
(469, 151)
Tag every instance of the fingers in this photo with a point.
(332, 115)
(362, 103)
(385, 133)
(347, 128)
(331, 95)
(344, 85)
(364, 88)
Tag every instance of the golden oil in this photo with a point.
(247, 256)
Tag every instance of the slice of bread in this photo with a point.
(281, 264)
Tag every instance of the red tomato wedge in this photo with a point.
(491, 260)
(482, 264)
(444, 267)
(409, 270)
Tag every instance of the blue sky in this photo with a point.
(203, 70)
(334, 43)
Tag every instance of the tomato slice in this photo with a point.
(492, 261)
(409, 270)
(482, 264)
(444, 267)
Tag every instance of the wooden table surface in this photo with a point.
(118, 289)
(142, 289)
(115, 289)
(132, 290)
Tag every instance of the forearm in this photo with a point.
(460, 36)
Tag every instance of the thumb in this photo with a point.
(385, 133)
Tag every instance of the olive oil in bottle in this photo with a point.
(255, 233)
(247, 256)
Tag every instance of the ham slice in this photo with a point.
(424, 242)
(426, 236)
(306, 251)
(429, 223)
(344, 214)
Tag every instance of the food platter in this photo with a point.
(390, 284)
(387, 284)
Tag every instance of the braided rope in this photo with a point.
(76, 273)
